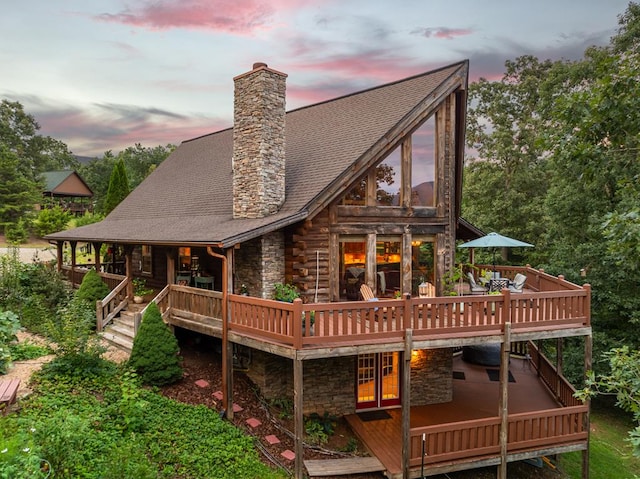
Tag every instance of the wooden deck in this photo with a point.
(342, 467)
(475, 398)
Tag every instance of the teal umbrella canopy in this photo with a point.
(495, 240)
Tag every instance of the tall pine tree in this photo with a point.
(118, 187)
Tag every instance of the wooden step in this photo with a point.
(342, 467)
(118, 341)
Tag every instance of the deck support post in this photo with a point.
(73, 245)
(59, 252)
(298, 381)
(504, 400)
(406, 402)
(588, 351)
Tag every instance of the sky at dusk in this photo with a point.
(106, 74)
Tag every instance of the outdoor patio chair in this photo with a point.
(183, 279)
(367, 293)
(204, 282)
(475, 287)
(518, 283)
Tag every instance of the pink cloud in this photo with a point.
(115, 127)
(445, 33)
(217, 15)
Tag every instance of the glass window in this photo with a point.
(422, 262)
(388, 265)
(389, 180)
(352, 266)
(423, 165)
(146, 259)
(357, 195)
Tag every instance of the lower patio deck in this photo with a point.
(475, 397)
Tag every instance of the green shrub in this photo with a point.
(17, 233)
(9, 326)
(285, 292)
(51, 220)
(71, 329)
(92, 288)
(155, 350)
(28, 350)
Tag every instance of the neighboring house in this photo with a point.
(364, 188)
(66, 189)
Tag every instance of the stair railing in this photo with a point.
(111, 305)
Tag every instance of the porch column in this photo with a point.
(559, 365)
(128, 268)
(298, 405)
(73, 245)
(588, 366)
(406, 403)
(59, 254)
(171, 267)
(96, 255)
(504, 400)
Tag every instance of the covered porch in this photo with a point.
(543, 419)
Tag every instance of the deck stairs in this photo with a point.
(120, 332)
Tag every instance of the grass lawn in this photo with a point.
(610, 453)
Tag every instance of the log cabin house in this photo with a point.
(364, 188)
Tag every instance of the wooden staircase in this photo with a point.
(120, 332)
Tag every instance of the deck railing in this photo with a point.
(481, 437)
(109, 307)
(358, 322)
(298, 325)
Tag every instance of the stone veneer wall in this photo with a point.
(247, 264)
(272, 262)
(259, 142)
(259, 264)
(432, 376)
(329, 384)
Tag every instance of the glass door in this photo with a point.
(378, 381)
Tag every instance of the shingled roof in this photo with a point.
(188, 198)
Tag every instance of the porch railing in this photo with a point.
(116, 301)
(357, 322)
(534, 429)
(481, 437)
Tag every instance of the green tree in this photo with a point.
(51, 220)
(18, 192)
(92, 288)
(37, 153)
(118, 187)
(155, 350)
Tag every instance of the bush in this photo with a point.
(92, 288)
(51, 220)
(17, 233)
(155, 350)
(9, 326)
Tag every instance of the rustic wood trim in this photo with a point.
(171, 266)
(371, 198)
(406, 155)
(298, 404)
(503, 404)
(406, 263)
(388, 229)
(334, 267)
(403, 211)
(406, 402)
(370, 274)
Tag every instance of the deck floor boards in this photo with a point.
(474, 397)
(342, 467)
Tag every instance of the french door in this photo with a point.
(378, 380)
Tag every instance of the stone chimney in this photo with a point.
(258, 142)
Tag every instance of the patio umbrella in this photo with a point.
(495, 240)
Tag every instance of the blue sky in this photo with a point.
(106, 74)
